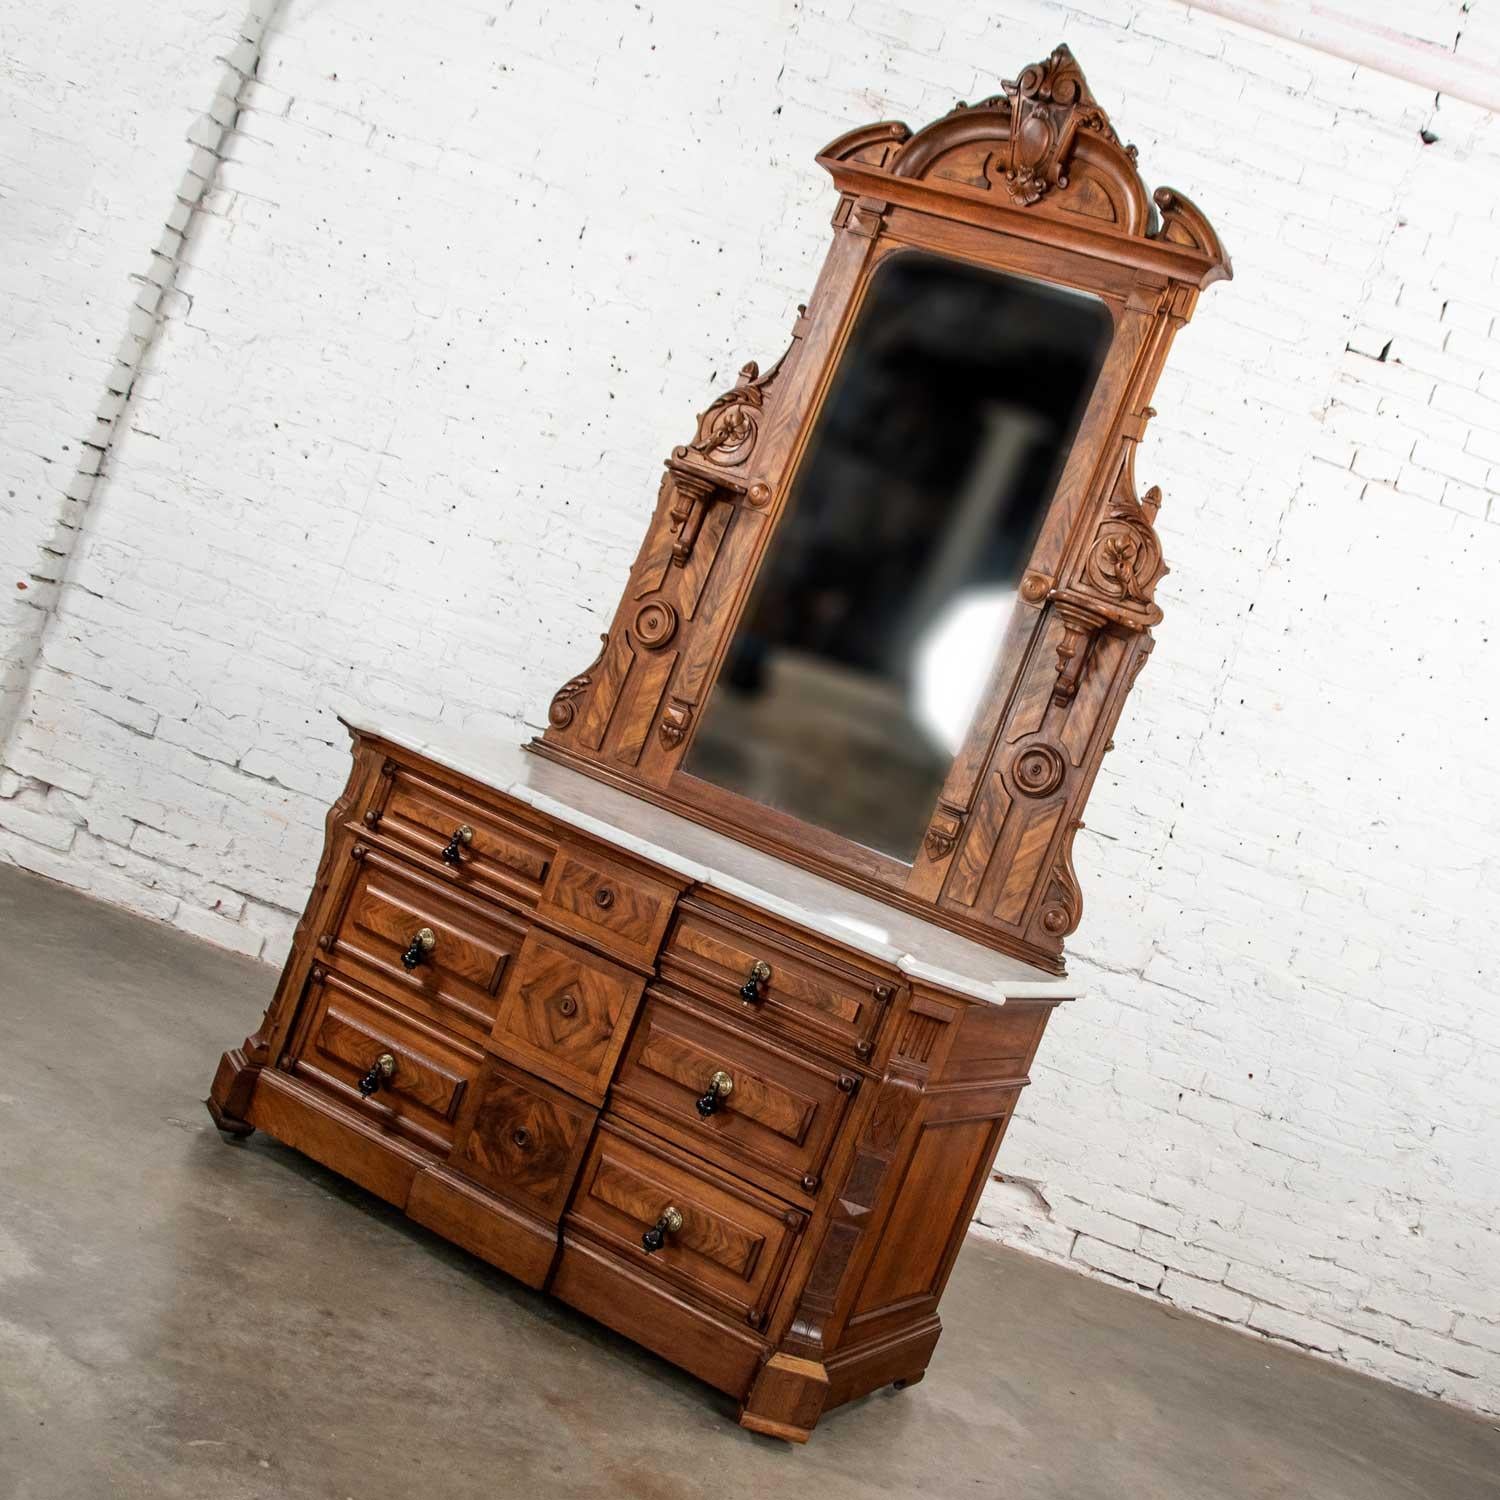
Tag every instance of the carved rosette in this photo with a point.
(1038, 769)
(1125, 562)
(655, 624)
(565, 700)
(727, 430)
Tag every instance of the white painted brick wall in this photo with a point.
(460, 262)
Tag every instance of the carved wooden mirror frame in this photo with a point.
(1033, 181)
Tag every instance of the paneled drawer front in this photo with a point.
(388, 913)
(611, 904)
(710, 1085)
(565, 1013)
(390, 1066)
(720, 954)
(731, 1245)
(499, 855)
(523, 1138)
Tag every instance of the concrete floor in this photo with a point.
(182, 1317)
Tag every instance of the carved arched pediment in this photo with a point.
(1043, 146)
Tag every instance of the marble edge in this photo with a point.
(453, 754)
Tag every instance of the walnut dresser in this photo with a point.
(708, 1011)
(704, 1096)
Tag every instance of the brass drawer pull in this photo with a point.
(752, 991)
(381, 1071)
(521, 1136)
(453, 850)
(604, 898)
(424, 940)
(655, 1237)
(720, 1087)
(568, 1005)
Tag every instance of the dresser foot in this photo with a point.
(228, 1100)
(907, 1380)
(228, 1126)
(786, 1399)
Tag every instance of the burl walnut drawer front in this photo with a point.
(523, 1138)
(719, 954)
(423, 945)
(684, 1221)
(712, 1087)
(614, 905)
(390, 1066)
(565, 1013)
(473, 845)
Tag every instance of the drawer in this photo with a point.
(388, 912)
(718, 953)
(429, 819)
(523, 1139)
(611, 904)
(781, 1112)
(392, 1067)
(565, 1013)
(731, 1243)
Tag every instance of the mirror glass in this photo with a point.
(881, 601)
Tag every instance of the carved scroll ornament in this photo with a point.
(726, 438)
(1116, 581)
(564, 700)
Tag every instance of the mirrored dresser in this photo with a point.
(707, 1010)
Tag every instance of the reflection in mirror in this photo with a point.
(880, 605)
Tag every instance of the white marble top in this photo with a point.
(916, 947)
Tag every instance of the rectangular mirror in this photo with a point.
(857, 664)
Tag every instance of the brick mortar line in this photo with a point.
(150, 309)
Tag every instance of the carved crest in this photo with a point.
(1049, 104)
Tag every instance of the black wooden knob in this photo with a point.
(423, 941)
(655, 1237)
(752, 991)
(381, 1071)
(521, 1136)
(720, 1087)
(453, 850)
